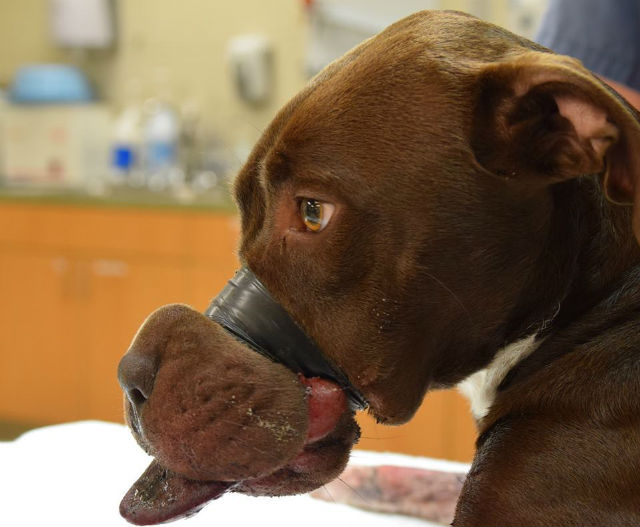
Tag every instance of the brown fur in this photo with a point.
(469, 169)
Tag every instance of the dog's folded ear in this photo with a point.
(544, 118)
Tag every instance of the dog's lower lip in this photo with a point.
(309, 457)
(304, 461)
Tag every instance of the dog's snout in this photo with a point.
(136, 374)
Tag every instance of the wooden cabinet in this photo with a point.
(40, 363)
(76, 283)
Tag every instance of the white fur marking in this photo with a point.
(480, 387)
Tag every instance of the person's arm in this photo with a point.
(604, 35)
(632, 96)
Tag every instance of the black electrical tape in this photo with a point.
(247, 310)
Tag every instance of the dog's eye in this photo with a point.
(315, 214)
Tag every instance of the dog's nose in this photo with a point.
(136, 375)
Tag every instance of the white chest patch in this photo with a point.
(480, 387)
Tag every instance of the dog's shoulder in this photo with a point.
(563, 424)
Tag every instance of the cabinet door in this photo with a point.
(40, 367)
(124, 291)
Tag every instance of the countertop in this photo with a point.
(216, 200)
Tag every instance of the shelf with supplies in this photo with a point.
(214, 200)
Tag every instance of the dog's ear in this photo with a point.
(544, 118)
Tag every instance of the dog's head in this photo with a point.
(402, 209)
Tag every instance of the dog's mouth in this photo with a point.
(162, 494)
(238, 400)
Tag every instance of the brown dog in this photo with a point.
(440, 204)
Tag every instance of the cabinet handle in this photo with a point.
(110, 268)
(65, 271)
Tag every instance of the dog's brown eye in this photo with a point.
(315, 214)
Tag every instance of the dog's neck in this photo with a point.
(589, 247)
(481, 387)
(589, 250)
(606, 252)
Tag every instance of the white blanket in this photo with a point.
(76, 474)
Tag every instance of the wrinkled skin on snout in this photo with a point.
(213, 401)
(217, 416)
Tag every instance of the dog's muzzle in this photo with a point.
(247, 310)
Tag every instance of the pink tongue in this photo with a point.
(160, 495)
(326, 402)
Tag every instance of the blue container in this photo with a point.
(50, 84)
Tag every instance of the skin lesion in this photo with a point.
(281, 431)
(428, 494)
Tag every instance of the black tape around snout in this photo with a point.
(247, 310)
